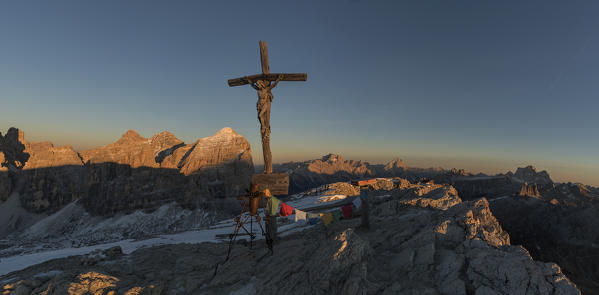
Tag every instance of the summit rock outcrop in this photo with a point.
(423, 239)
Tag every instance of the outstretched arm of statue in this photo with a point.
(273, 85)
(251, 83)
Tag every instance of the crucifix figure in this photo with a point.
(263, 107)
(264, 83)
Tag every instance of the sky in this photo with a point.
(488, 86)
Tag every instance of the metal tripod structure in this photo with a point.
(250, 204)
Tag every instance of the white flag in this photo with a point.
(299, 215)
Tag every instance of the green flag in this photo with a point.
(273, 206)
(336, 215)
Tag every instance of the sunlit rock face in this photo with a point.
(54, 177)
(131, 150)
(137, 172)
(132, 173)
(45, 154)
(222, 147)
(395, 167)
(529, 190)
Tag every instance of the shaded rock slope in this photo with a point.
(132, 173)
(567, 235)
(423, 240)
(554, 221)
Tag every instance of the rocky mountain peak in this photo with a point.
(396, 163)
(226, 130)
(164, 140)
(529, 174)
(163, 134)
(332, 158)
(130, 136)
(459, 172)
(528, 169)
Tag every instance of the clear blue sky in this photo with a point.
(483, 85)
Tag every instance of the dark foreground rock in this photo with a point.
(423, 240)
(568, 235)
(554, 221)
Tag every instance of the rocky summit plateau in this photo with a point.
(424, 239)
(153, 216)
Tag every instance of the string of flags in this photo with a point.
(275, 205)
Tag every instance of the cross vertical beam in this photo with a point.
(264, 58)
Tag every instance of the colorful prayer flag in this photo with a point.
(299, 215)
(347, 211)
(273, 206)
(363, 194)
(312, 215)
(327, 218)
(286, 210)
(336, 215)
(357, 203)
(314, 221)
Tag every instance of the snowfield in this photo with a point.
(69, 231)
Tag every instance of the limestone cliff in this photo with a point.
(132, 173)
(137, 172)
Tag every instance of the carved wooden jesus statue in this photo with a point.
(263, 107)
(264, 83)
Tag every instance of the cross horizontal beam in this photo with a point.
(267, 77)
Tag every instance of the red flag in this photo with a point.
(347, 209)
(286, 210)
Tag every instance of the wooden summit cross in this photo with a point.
(264, 83)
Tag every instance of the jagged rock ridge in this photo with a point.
(132, 173)
(333, 168)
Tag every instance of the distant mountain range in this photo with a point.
(333, 168)
(132, 173)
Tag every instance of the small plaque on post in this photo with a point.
(277, 183)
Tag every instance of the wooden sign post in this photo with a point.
(277, 184)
